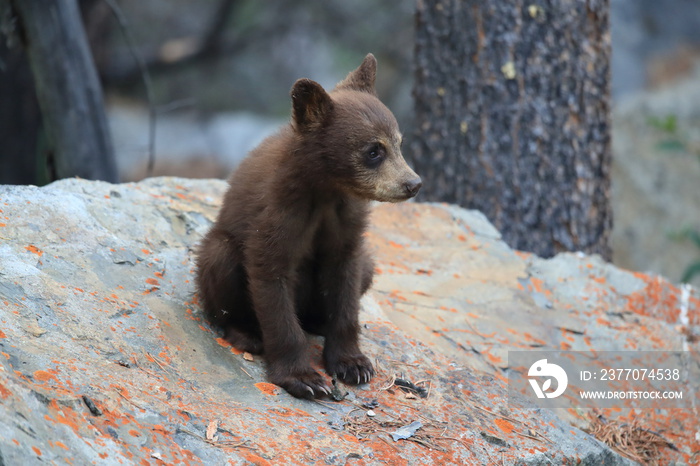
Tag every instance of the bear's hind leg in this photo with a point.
(222, 285)
(244, 341)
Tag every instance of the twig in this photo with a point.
(155, 359)
(425, 443)
(395, 361)
(209, 47)
(631, 440)
(430, 386)
(454, 440)
(419, 413)
(145, 76)
(391, 383)
(223, 443)
(387, 442)
(408, 386)
(495, 413)
(135, 362)
(132, 402)
(246, 373)
(530, 436)
(231, 443)
(326, 404)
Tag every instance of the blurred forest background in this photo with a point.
(221, 72)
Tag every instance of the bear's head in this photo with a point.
(353, 136)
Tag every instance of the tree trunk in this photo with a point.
(67, 88)
(20, 119)
(512, 110)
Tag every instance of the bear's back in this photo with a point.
(252, 184)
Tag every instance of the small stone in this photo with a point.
(33, 328)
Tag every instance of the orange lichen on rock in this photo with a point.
(44, 376)
(174, 376)
(268, 388)
(4, 392)
(223, 342)
(34, 250)
(658, 299)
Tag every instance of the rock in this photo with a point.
(104, 356)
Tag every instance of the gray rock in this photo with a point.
(104, 356)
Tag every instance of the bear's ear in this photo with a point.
(361, 79)
(311, 104)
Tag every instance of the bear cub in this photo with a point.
(286, 254)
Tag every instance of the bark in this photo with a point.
(67, 88)
(512, 117)
(20, 119)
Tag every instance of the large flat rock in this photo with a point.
(105, 358)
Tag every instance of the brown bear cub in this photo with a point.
(286, 254)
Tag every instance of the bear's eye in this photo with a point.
(374, 155)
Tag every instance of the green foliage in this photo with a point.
(672, 142)
(667, 125)
(689, 234)
(692, 270)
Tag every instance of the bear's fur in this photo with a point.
(286, 253)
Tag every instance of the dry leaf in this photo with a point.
(211, 429)
(247, 356)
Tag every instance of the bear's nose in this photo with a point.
(412, 186)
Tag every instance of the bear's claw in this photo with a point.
(307, 385)
(352, 370)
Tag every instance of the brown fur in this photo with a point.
(286, 253)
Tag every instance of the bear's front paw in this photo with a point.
(303, 384)
(352, 369)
